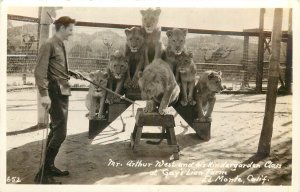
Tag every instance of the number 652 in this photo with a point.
(10, 179)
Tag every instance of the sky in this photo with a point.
(231, 19)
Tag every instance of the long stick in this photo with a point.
(44, 150)
(106, 89)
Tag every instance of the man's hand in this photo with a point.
(46, 102)
(76, 74)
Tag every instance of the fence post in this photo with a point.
(289, 55)
(44, 33)
(260, 53)
(245, 82)
(264, 146)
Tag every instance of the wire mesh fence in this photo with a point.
(89, 49)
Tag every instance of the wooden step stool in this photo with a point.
(154, 119)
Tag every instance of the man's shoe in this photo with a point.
(53, 171)
(46, 179)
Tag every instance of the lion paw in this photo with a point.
(109, 98)
(147, 110)
(135, 85)
(127, 84)
(149, 107)
(184, 102)
(92, 117)
(192, 102)
(109, 101)
(116, 99)
(101, 116)
(163, 111)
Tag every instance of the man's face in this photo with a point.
(67, 31)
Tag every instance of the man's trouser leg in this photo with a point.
(58, 131)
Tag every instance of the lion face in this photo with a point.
(118, 65)
(176, 40)
(134, 38)
(184, 62)
(99, 78)
(214, 82)
(150, 19)
(151, 90)
(150, 85)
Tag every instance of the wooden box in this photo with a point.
(96, 126)
(133, 93)
(116, 109)
(202, 129)
(153, 119)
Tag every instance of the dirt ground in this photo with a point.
(227, 158)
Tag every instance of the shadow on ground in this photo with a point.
(79, 154)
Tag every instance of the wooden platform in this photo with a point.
(188, 113)
(154, 119)
(116, 109)
(113, 112)
(202, 129)
(96, 126)
(133, 94)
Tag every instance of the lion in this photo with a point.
(135, 54)
(118, 71)
(158, 86)
(209, 83)
(186, 75)
(152, 32)
(95, 98)
(175, 46)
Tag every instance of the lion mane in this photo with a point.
(158, 86)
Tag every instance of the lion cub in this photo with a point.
(153, 44)
(176, 46)
(95, 98)
(209, 83)
(135, 54)
(186, 75)
(158, 86)
(117, 70)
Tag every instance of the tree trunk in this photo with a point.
(264, 146)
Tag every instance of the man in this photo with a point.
(52, 76)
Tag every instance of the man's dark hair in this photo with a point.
(63, 21)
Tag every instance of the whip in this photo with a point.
(43, 152)
(106, 89)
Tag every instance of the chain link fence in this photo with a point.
(22, 49)
(89, 49)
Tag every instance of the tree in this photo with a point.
(220, 53)
(264, 146)
(108, 45)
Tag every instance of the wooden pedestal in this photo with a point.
(202, 129)
(116, 109)
(133, 94)
(96, 126)
(154, 119)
